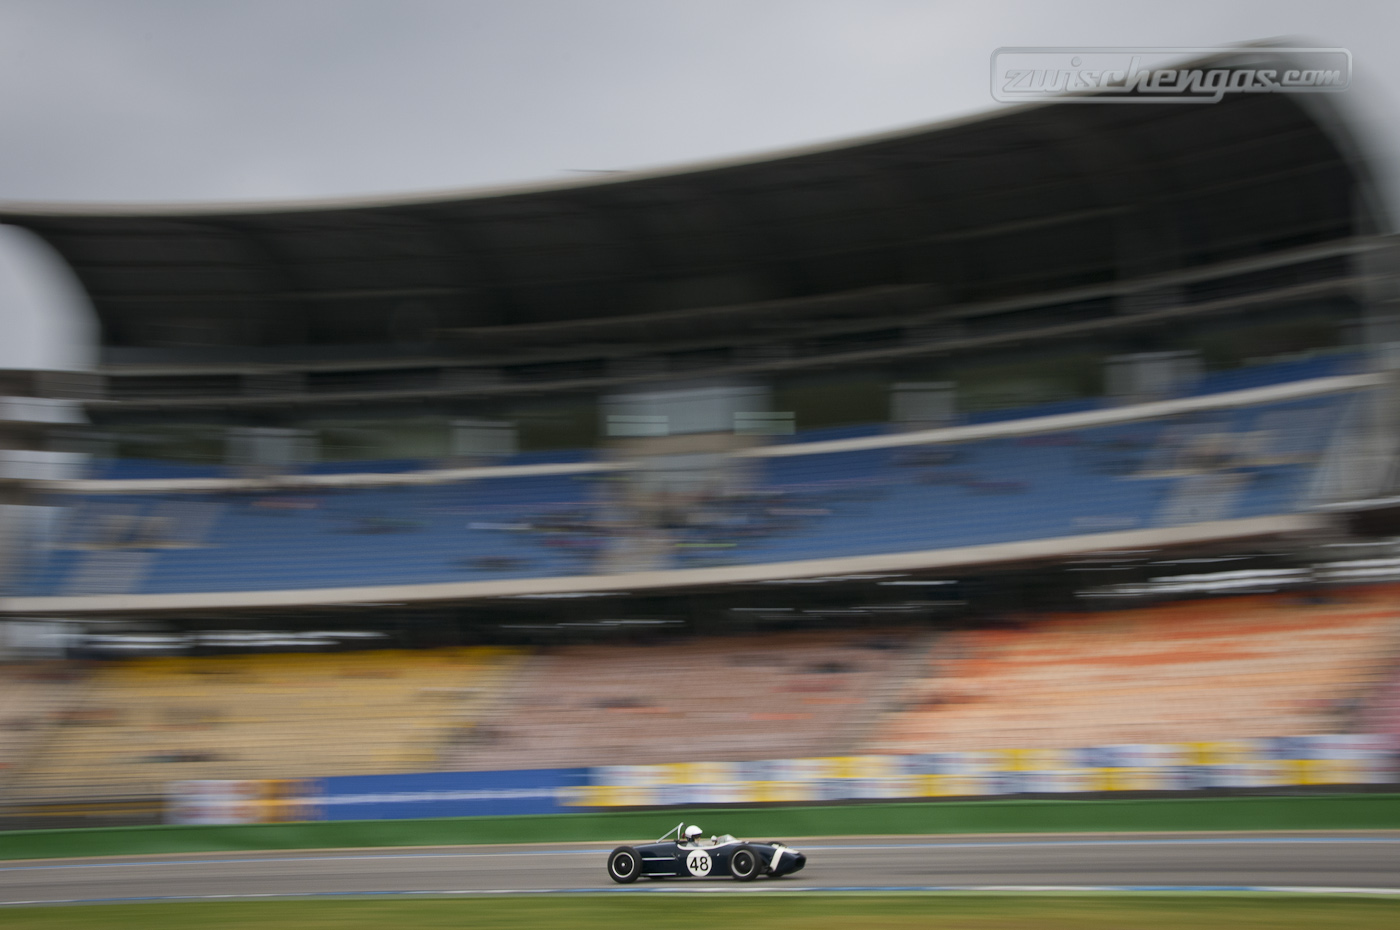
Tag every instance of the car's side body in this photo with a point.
(723, 856)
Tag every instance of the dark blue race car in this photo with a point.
(690, 855)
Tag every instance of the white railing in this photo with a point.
(947, 435)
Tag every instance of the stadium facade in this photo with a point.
(880, 405)
(1042, 261)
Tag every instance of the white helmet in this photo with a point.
(692, 831)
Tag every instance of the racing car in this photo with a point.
(689, 854)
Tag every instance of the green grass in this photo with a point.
(770, 911)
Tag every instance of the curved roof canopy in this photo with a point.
(1016, 203)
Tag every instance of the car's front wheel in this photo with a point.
(744, 864)
(624, 865)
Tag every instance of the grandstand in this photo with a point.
(32, 696)
(1009, 255)
(1207, 670)
(1152, 330)
(141, 723)
(1201, 461)
(1383, 709)
(750, 697)
(293, 401)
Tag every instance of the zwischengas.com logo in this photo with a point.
(1164, 75)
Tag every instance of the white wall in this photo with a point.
(46, 320)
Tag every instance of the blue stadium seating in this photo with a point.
(1119, 477)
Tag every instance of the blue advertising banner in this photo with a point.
(445, 794)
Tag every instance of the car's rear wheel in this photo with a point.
(624, 865)
(744, 864)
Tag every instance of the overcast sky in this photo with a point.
(196, 100)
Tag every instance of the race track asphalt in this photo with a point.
(1355, 861)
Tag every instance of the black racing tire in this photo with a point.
(624, 865)
(744, 864)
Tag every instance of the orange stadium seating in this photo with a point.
(733, 698)
(1203, 670)
(1195, 670)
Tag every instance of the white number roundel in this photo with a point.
(698, 862)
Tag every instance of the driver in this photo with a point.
(692, 835)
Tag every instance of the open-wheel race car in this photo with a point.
(690, 855)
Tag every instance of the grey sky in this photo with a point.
(189, 100)
(148, 101)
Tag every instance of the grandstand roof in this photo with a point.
(1018, 202)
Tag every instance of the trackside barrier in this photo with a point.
(1343, 759)
(377, 797)
(1317, 760)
